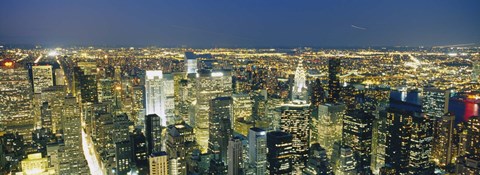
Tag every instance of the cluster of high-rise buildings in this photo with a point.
(225, 112)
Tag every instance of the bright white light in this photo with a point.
(90, 156)
(38, 59)
(52, 53)
(452, 54)
(151, 74)
(217, 74)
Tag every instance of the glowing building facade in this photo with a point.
(72, 160)
(36, 164)
(159, 95)
(158, 163)
(235, 157)
(42, 77)
(327, 127)
(190, 63)
(15, 100)
(443, 148)
(294, 120)
(209, 85)
(257, 150)
(53, 97)
(220, 127)
(180, 143)
(409, 137)
(357, 134)
(299, 90)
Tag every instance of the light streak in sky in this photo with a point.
(357, 27)
(455, 45)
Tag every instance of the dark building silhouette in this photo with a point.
(280, 153)
(357, 134)
(333, 80)
(86, 84)
(409, 137)
(139, 151)
(318, 93)
(123, 157)
(318, 163)
(153, 133)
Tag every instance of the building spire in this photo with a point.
(299, 90)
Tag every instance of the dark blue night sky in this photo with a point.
(241, 23)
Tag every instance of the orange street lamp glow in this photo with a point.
(9, 64)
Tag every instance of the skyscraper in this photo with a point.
(443, 148)
(54, 98)
(190, 63)
(472, 138)
(280, 153)
(85, 81)
(45, 120)
(15, 100)
(153, 133)
(318, 163)
(121, 128)
(409, 135)
(333, 80)
(123, 157)
(435, 102)
(139, 151)
(42, 77)
(235, 154)
(379, 138)
(467, 165)
(327, 127)
(105, 90)
(36, 164)
(357, 134)
(139, 105)
(318, 94)
(469, 161)
(209, 85)
(345, 164)
(14, 147)
(168, 86)
(158, 163)
(260, 105)
(294, 120)
(221, 112)
(242, 111)
(72, 160)
(59, 77)
(257, 153)
(299, 90)
(155, 95)
(180, 144)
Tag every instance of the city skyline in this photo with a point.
(189, 87)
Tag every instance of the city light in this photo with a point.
(217, 74)
(90, 156)
(240, 88)
(52, 53)
(8, 63)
